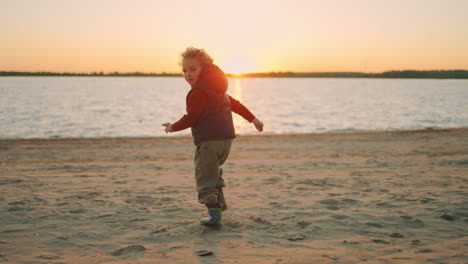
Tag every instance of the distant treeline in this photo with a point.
(443, 74)
(448, 74)
(112, 74)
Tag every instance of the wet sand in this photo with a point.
(364, 197)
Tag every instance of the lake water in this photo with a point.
(42, 107)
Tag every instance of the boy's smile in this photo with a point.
(191, 68)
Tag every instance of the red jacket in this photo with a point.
(197, 103)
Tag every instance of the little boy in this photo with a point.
(209, 115)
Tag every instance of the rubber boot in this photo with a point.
(215, 218)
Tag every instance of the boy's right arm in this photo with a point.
(195, 106)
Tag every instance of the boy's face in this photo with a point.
(191, 68)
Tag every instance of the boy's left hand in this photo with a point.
(168, 128)
(258, 124)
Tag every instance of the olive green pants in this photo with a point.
(209, 156)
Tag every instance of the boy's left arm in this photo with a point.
(240, 109)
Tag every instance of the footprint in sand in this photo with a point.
(204, 253)
(331, 257)
(376, 225)
(346, 242)
(426, 200)
(406, 217)
(272, 180)
(9, 231)
(424, 250)
(411, 222)
(416, 223)
(106, 215)
(289, 217)
(447, 217)
(304, 224)
(260, 220)
(14, 181)
(142, 200)
(385, 204)
(395, 235)
(350, 201)
(380, 241)
(340, 217)
(19, 209)
(313, 182)
(48, 256)
(128, 250)
(17, 203)
(160, 229)
(275, 204)
(233, 224)
(78, 211)
(295, 237)
(292, 202)
(329, 201)
(120, 182)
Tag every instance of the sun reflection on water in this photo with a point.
(237, 89)
(240, 124)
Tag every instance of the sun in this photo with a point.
(237, 65)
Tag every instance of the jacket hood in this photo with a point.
(212, 78)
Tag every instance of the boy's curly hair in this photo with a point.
(199, 54)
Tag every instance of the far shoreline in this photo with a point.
(396, 74)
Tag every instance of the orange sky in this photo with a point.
(254, 35)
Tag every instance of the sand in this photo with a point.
(364, 197)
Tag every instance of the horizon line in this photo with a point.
(227, 73)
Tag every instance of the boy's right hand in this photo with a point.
(258, 124)
(168, 128)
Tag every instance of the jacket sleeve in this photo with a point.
(197, 102)
(240, 109)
